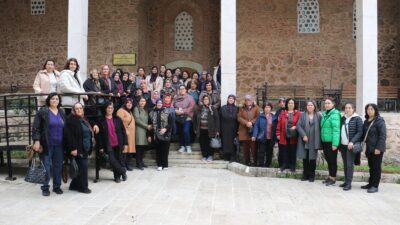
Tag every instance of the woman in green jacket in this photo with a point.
(330, 137)
(142, 126)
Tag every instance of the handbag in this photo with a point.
(36, 174)
(215, 142)
(163, 137)
(73, 169)
(180, 119)
(64, 172)
(361, 146)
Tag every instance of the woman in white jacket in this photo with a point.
(70, 82)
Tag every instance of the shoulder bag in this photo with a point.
(361, 146)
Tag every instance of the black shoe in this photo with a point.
(58, 191)
(343, 185)
(304, 178)
(347, 187)
(143, 165)
(117, 180)
(140, 168)
(326, 180)
(46, 193)
(124, 177)
(367, 186)
(292, 170)
(73, 188)
(312, 179)
(86, 191)
(330, 182)
(372, 189)
(129, 168)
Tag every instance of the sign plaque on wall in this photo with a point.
(124, 59)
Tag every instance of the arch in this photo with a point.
(185, 63)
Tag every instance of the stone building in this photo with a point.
(258, 40)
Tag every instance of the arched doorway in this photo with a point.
(187, 65)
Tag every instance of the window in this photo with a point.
(308, 16)
(184, 32)
(354, 20)
(38, 7)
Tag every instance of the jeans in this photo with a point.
(80, 182)
(54, 158)
(348, 162)
(184, 132)
(331, 158)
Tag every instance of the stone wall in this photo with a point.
(270, 50)
(392, 155)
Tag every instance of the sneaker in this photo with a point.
(181, 149)
(165, 168)
(159, 168)
(188, 149)
(58, 191)
(372, 189)
(46, 193)
(209, 159)
(204, 159)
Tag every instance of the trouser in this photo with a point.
(184, 130)
(375, 170)
(80, 182)
(330, 157)
(249, 147)
(54, 158)
(309, 165)
(126, 159)
(348, 163)
(162, 151)
(204, 141)
(116, 162)
(139, 155)
(265, 151)
(288, 156)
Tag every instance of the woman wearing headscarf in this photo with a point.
(78, 141)
(206, 126)
(154, 81)
(162, 126)
(247, 117)
(125, 113)
(229, 128)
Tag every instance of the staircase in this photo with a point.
(192, 160)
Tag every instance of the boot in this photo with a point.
(127, 161)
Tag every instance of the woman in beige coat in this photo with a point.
(125, 113)
(46, 81)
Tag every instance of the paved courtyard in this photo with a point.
(186, 196)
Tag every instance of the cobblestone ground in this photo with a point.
(198, 196)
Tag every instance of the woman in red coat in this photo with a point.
(286, 134)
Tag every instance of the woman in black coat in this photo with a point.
(350, 132)
(94, 84)
(78, 142)
(229, 126)
(376, 145)
(113, 141)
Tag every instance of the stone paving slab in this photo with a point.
(190, 196)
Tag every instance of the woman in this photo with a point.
(263, 131)
(286, 134)
(168, 75)
(350, 133)
(184, 108)
(185, 78)
(163, 70)
(247, 117)
(229, 128)
(47, 132)
(126, 115)
(374, 129)
(195, 76)
(46, 81)
(106, 77)
(168, 89)
(71, 82)
(162, 125)
(113, 141)
(142, 127)
(206, 126)
(167, 100)
(193, 90)
(126, 83)
(330, 136)
(94, 84)
(140, 76)
(154, 81)
(215, 99)
(175, 82)
(309, 140)
(78, 141)
(155, 95)
(209, 78)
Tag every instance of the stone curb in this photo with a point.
(320, 174)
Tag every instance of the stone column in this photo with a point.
(367, 53)
(78, 11)
(228, 49)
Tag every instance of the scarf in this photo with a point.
(153, 77)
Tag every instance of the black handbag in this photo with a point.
(36, 174)
(163, 137)
(73, 169)
(180, 119)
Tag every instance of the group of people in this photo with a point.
(140, 110)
